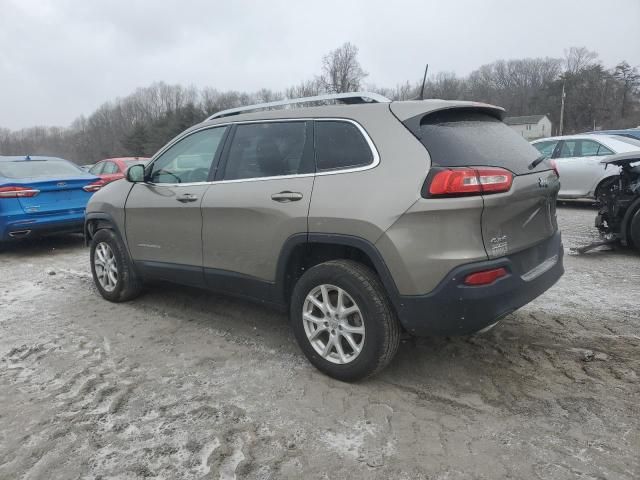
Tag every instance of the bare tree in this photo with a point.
(341, 70)
(579, 58)
(308, 88)
(629, 79)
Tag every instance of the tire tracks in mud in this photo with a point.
(99, 416)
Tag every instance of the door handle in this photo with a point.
(187, 197)
(287, 196)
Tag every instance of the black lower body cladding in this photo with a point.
(454, 308)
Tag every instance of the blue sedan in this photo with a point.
(41, 195)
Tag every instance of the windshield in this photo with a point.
(38, 169)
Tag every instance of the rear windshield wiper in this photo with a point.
(537, 162)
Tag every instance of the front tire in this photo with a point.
(113, 273)
(343, 321)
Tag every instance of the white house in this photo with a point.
(530, 127)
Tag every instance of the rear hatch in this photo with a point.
(513, 220)
(59, 185)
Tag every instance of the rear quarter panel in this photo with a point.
(432, 238)
(366, 203)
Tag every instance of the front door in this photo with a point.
(261, 199)
(163, 217)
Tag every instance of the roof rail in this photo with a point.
(350, 97)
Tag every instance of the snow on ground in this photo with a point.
(181, 383)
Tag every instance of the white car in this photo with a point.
(578, 160)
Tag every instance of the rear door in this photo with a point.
(260, 198)
(511, 221)
(163, 217)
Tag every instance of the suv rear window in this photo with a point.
(340, 145)
(458, 138)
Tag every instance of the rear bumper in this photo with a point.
(453, 308)
(28, 226)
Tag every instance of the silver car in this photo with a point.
(578, 160)
(366, 221)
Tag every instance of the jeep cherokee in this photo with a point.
(367, 220)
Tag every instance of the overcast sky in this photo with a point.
(62, 58)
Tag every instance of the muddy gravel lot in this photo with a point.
(181, 383)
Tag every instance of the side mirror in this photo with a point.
(135, 173)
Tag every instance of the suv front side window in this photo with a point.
(268, 149)
(190, 159)
(340, 145)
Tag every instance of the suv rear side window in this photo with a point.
(340, 145)
(268, 149)
(459, 138)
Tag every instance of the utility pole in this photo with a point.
(562, 110)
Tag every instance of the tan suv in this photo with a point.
(365, 219)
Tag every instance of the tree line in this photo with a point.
(140, 123)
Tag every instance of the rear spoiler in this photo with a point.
(413, 112)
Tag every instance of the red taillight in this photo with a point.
(554, 165)
(18, 192)
(469, 181)
(94, 187)
(485, 277)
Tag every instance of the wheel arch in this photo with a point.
(96, 221)
(303, 251)
(601, 182)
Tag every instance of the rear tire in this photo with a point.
(113, 272)
(342, 303)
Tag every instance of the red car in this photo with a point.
(111, 169)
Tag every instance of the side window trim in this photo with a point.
(219, 163)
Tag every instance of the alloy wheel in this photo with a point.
(333, 324)
(106, 266)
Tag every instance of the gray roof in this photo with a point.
(526, 120)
